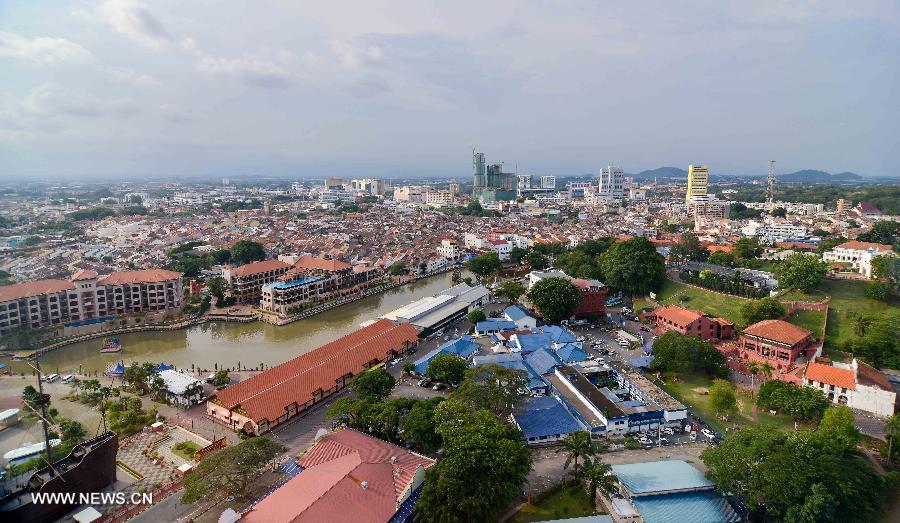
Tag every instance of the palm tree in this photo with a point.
(577, 445)
(861, 324)
(599, 476)
(766, 369)
(891, 429)
(753, 369)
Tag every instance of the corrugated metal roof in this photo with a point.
(660, 476)
(696, 507)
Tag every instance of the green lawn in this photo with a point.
(811, 320)
(692, 392)
(186, 449)
(847, 300)
(568, 502)
(719, 305)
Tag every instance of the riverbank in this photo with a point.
(206, 344)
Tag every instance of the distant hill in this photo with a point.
(662, 172)
(815, 176)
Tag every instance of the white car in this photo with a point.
(668, 431)
(708, 433)
(645, 441)
(394, 362)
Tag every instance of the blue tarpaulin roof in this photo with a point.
(660, 477)
(697, 507)
(462, 347)
(495, 326)
(570, 353)
(545, 416)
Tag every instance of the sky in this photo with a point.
(129, 88)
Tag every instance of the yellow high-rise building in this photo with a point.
(698, 182)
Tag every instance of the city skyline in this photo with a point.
(122, 88)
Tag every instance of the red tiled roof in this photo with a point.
(872, 377)
(141, 276)
(347, 476)
(830, 375)
(863, 246)
(310, 262)
(260, 266)
(678, 315)
(33, 288)
(778, 330)
(268, 394)
(84, 274)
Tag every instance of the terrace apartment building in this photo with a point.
(270, 398)
(857, 255)
(778, 342)
(689, 322)
(247, 281)
(450, 249)
(312, 279)
(89, 298)
(855, 385)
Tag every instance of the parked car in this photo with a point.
(68, 378)
(396, 361)
(424, 383)
(50, 378)
(708, 433)
(663, 441)
(668, 431)
(438, 387)
(692, 436)
(211, 378)
(645, 441)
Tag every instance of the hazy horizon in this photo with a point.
(123, 88)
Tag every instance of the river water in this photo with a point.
(228, 344)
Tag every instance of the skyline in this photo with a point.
(129, 89)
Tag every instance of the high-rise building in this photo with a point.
(453, 188)
(844, 205)
(503, 184)
(478, 173)
(611, 182)
(698, 183)
(523, 183)
(548, 182)
(334, 183)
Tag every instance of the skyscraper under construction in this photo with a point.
(489, 182)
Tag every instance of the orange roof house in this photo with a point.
(345, 476)
(775, 341)
(691, 322)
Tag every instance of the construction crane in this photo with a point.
(770, 186)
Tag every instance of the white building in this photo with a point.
(855, 385)
(438, 199)
(611, 182)
(774, 231)
(450, 249)
(180, 389)
(411, 193)
(336, 195)
(858, 254)
(548, 182)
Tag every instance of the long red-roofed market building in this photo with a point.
(346, 476)
(270, 398)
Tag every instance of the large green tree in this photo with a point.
(555, 298)
(774, 472)
(633, 265)
(217, 286)
(747, 248)
(886, 233)
(759, 310)
(483, 469)
(230, 470)
(838, 427)
(800, 403)
(722, 398)
(680, 354)
(537, 260)
(800, 271)
(420, 427)
(446, 368)
(246, 251)
(688, 248)
(373, 385)
(578, 448)
(485, 265)
(492, 387)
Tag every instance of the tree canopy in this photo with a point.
(688, 248)
(722, 398)
(373, 385)
(800, 403)
(246, 251)
(795, 476)
(229, 470)
(476, 316)
(485, 265)
(555, 298)
(492, 387)
(680, 354)
(536, 260)
(800, 271)
(633, 265)
(446, 368)
(759, 310)
(482, 471)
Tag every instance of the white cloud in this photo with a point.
(42, 50)
(133, 20)
(53, 100)
(132, 77)
(251, 70)
(354, 56)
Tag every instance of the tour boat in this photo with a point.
(111, 345)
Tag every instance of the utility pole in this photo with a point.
(43, 399)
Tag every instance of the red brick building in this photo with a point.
(593, 298)
(690, 322)
(776, 341)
